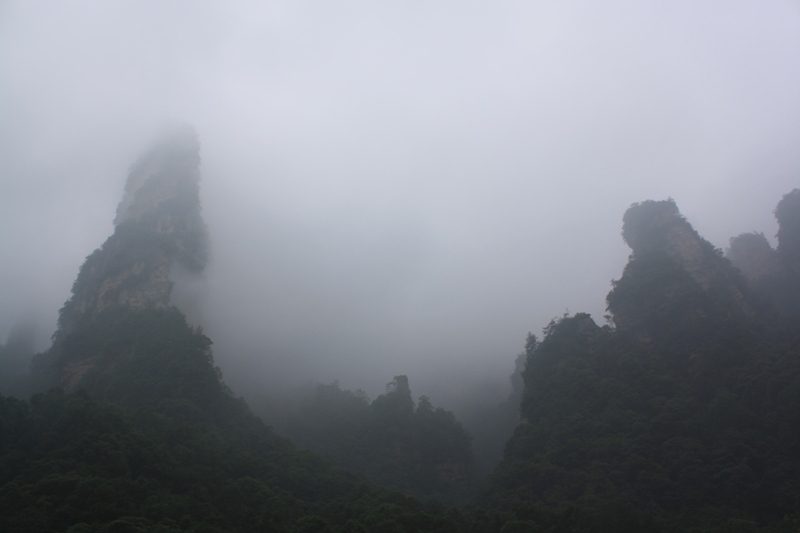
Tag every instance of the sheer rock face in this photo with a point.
(158, 232)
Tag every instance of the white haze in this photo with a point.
(395, 187)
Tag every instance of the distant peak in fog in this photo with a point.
(159, 241)
(168, 171)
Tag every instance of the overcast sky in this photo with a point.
(392, 187)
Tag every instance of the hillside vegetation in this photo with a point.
(683, 416)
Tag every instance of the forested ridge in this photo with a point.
(166, 447)
(681, 413)
(683, 416)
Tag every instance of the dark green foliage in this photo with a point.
(422, 450)
(612, 420)
(142, 358)
(659, 301)
(683, 418)
(175, 452)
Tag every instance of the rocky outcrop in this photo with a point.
(752, 254)
(659, 227)
(169, 170)
(787, 213)
(399, 385)
(774, 274)
(158, 230)
(674, 276)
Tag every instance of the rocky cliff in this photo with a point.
(159, 232)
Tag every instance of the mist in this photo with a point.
(403, 188)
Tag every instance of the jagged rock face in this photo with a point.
(158, 229)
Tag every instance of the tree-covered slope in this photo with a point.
(680, 415)
(147, 437)
(683, 416)
(174, 451)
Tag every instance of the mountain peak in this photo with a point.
(158, 229)
(159, 239)
(168, 169)
(673, 272)
(658, 226)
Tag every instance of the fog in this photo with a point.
(393, 188)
